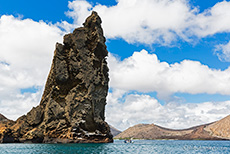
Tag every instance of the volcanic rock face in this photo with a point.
(5, 133)
(73, 103)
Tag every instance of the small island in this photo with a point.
(218, 130)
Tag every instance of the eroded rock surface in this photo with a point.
(73, 103)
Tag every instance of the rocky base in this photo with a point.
(95, 139)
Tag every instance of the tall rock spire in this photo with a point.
(73, 103)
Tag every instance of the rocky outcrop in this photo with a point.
(73, 103)
(5, 132)
(218, 130)
(3, 118)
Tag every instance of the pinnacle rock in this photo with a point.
(73, 103)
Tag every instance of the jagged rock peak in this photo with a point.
(73, 102)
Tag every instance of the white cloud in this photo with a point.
(25, 56)
(138, 108)
(145, 21)
(143, 72)
(80, 11)
(223, 52)
(153, 21)
(213, 20)
(17, 104)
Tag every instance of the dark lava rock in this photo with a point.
(73, 103)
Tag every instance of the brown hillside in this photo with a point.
(219, 130)
(151, 131)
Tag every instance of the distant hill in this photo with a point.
(219, 130)
(114, 131)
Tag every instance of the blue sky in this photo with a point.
(162, 44)
(52, 11)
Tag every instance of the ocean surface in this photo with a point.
(139, 146)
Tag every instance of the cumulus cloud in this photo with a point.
(223, 52)
(80, 10)
(17, 104)
(25, 57)
(153, 21)
(213, 20)
(141, 108)
(143, 72)
(145, 21)
(130, 79)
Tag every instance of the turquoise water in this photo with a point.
(139, 146)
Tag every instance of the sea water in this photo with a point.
(139, 146)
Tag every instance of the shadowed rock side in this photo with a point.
(73, 103)
(218, 130)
